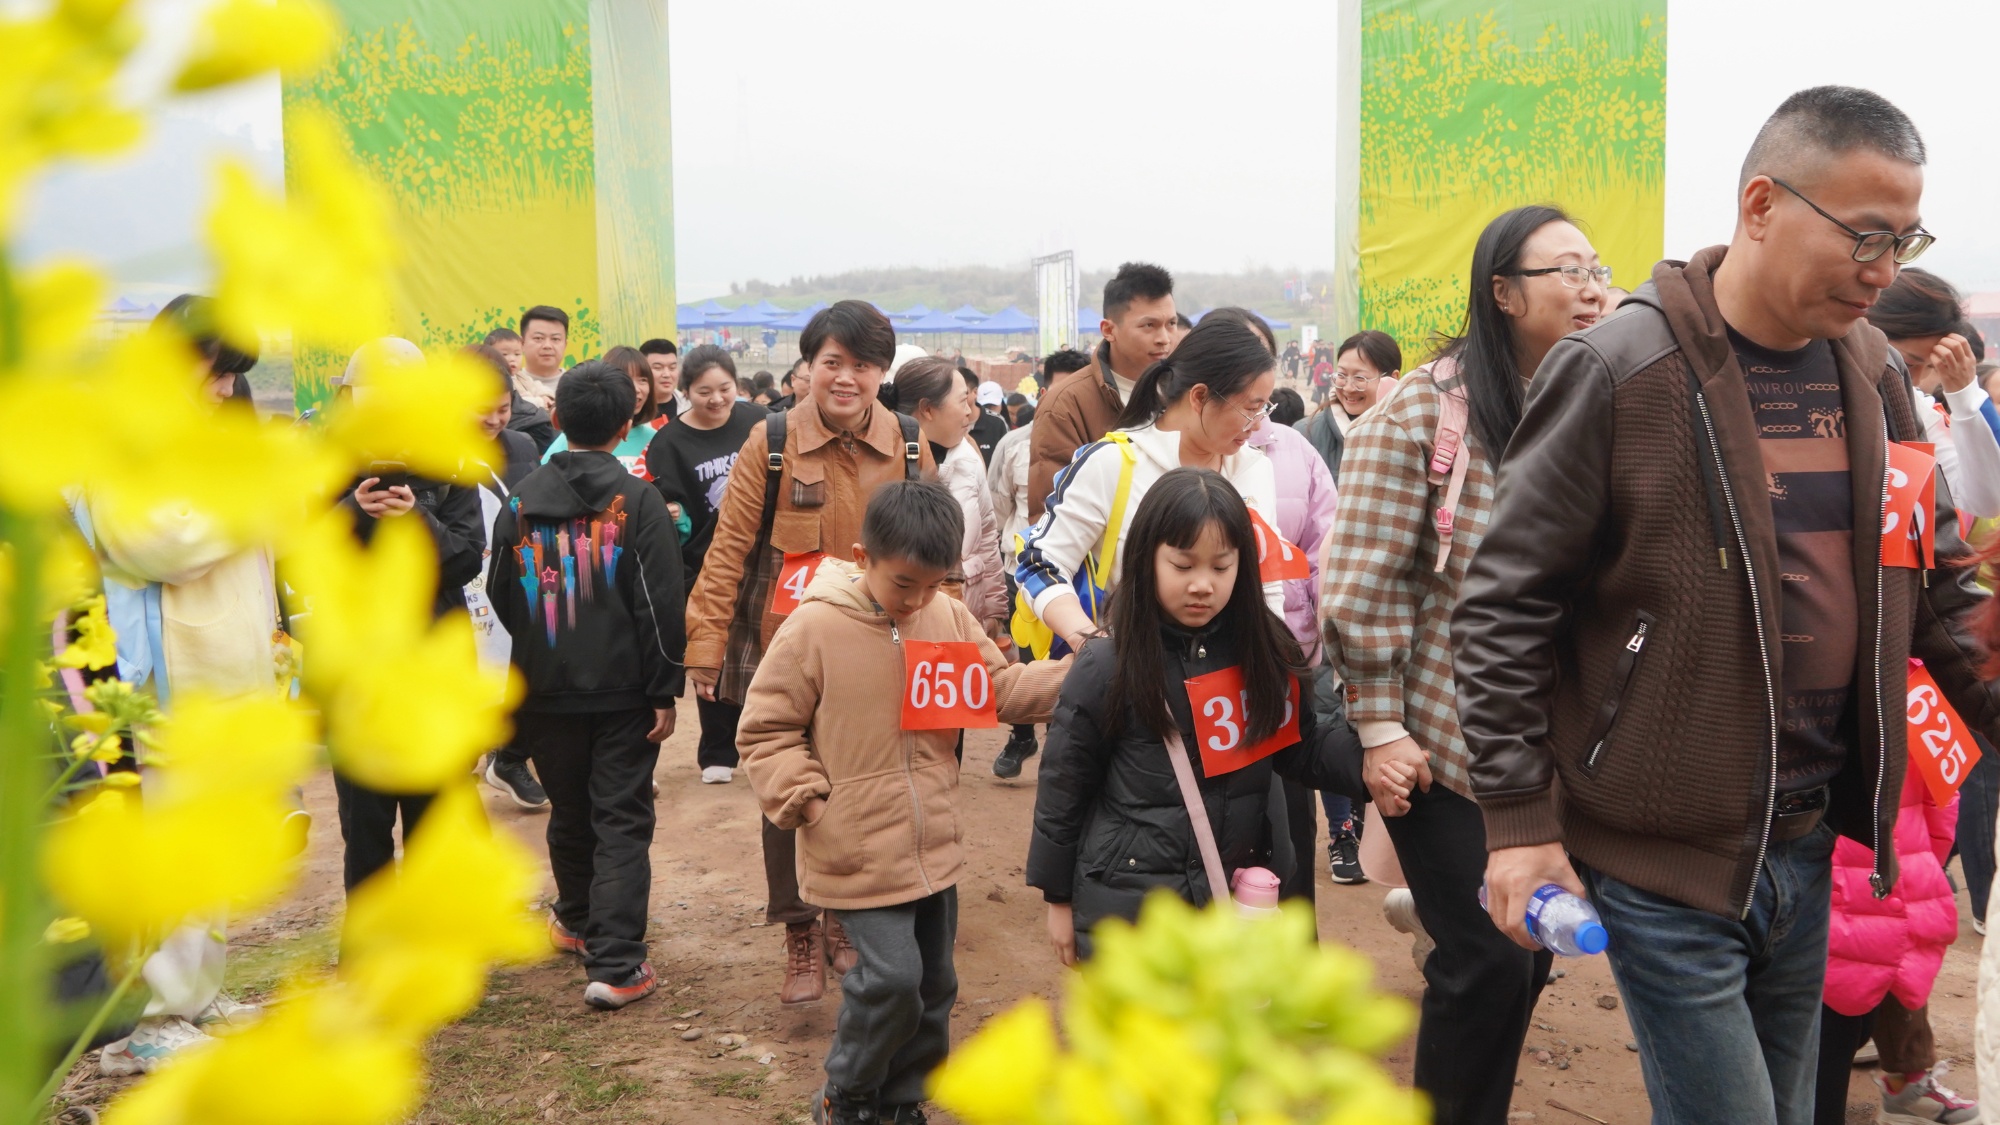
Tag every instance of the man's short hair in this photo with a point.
(858, 326)
(1827, 121)
(915, 520)
(1063, 362)
(593, 402)
(658, 346)
(971, 378)
(1135, 281)
(549, 313)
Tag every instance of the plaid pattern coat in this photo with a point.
(1384, 613)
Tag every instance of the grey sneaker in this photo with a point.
(511, 776)
(1925, 1100)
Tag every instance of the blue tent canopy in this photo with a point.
(797, 321)
(125, 305)
(914, 312)
(768, 309)
(1007, 322)
(710, 308)
(934, 323)
(967, 313)
(740, 318)
(689, 316)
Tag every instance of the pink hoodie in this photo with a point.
(1306, 502)
(1895, 944)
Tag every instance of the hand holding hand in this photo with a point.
(1390, 789)
(704, 680)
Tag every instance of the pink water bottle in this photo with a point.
(1256, 891)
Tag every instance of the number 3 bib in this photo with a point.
(946, 686)
(1221, 712)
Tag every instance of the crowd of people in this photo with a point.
(1602, 595)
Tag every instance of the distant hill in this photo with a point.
(992, 288)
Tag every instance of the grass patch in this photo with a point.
(745, 1085)
(517, 1057)
(255, 971)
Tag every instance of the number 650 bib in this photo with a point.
(946, 686)
(1221, 712)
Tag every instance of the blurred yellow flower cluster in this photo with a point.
(1190, 1018)
(206, 834)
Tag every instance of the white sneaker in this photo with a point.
(1400, 908)
(225, 1015)
(717, 775)
(153, 1042)
(1979, 927)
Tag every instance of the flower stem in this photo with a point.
(89, 1032)
(68, 774)
(25, 985)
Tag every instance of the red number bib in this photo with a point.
(1221, 710)
(1940, 749)
(793, 578)
(946, 686)
(1908, 538)
(1277, 559)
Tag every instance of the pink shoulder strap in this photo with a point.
(1197, 810)
(1448, 466)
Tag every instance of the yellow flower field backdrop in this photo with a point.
(528, 160)
(1471, 108)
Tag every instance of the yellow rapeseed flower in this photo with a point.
(315, 259)
(317, 1059)
(57, 90)
(1001, 1074)
(424, 415)
(96, 646)
(418, 940)
(241, 38)
(408, 706)
(64, 931)
(260, 743)
(132, 870)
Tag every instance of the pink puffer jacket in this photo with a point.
(1306, 503)
(1878, 946)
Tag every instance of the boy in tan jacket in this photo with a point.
(847, 736)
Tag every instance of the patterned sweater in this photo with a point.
(1384, 612)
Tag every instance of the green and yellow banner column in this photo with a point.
(1458, 110)
(526, 146)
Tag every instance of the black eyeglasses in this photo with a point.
(1576, 277)
(1872, 244)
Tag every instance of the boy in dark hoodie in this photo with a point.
(586, 577)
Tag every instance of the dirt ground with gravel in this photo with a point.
(716, 1045)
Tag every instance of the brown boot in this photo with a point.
(840, 953)
(805, 964)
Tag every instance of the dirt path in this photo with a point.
(533, 1052)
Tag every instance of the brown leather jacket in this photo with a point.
(1080, 408)
(1629, 499)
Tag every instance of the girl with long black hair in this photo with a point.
(1416, 486)
(1112, 820)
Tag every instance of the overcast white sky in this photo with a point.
(813, 137)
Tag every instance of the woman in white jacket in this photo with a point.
(1920, 313)
(1198, 407)
(929, 389)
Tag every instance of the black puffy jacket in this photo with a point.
(1109, 822)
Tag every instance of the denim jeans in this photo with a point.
(1726, 1010)
(1978, 800)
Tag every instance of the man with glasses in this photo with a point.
(1681, 610)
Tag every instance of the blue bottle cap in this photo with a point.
(1591, 938)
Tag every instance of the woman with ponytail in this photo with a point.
(1416, 482)
(930, 390)
(1197, 408)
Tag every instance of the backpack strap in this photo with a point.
(913, 450)
(1197, 810)
(1101, 560)
(1448, 460)
(774, 470)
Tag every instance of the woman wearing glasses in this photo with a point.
(1391, 580)
(1198, 408)
(1364, 360)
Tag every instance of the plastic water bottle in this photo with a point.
(1256, 892)
(1562, 923)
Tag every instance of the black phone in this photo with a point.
(389, 474)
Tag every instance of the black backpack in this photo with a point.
(774, 445)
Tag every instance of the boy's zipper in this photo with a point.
(1763, 651)
(1614, 699)
(910, 780)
